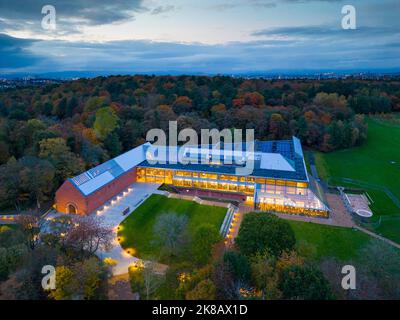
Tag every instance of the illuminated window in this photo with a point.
(290, 190)
(302, 185)
(291, 183)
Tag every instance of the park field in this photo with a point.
(373, 167)
(329, 241)
(137, 231)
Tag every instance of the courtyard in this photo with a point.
(137, 231)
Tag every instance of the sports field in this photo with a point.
(373, 167)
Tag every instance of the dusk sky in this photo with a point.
(208, 36)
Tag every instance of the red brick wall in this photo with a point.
(101, 196)
(68, 193)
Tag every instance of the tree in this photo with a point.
(262, 231)
(30, 226)
(83, 280)
(204, 238)
(105, 123)
(239, 265)
(29, 275)
(66, 163)
(10, 184)
(304, 283)
(264, 275)
(65, 285)
(227, 287)
(4, 152)
(170, 232)
(381, 264)
(88, 234)
(91, 275)
(144, 279)
(37, 178)
(204, 290)
(10, 259)
(277, 126)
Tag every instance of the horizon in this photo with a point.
(240, 37)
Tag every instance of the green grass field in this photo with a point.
(328, 241)
(137, 229)
(376, 168)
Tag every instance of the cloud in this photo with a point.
(134, 56)
(162, 9)
(327, 31)
(22, 14)
(15, 54)
(251, 3)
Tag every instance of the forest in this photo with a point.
(51, 133)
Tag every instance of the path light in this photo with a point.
(130, 251)
(136, 265)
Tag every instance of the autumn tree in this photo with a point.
(88, 234)
(204, 290)
(105, 123)
(145, 279)
(30, 226)
(66, 163)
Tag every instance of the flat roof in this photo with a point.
(281, 159)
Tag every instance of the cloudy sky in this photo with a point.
(198, 36)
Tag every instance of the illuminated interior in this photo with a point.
(264, 194)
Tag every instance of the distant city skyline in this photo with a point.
(193, 37)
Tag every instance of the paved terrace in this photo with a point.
(113, 216)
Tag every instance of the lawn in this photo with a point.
(329, 241)
(137, 230)
(375, 167)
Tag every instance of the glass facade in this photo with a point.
(265, 194)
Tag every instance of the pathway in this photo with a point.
(377, 236)
(112, 215)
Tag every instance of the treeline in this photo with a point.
(76, 125)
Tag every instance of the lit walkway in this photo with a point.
(112, 215)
